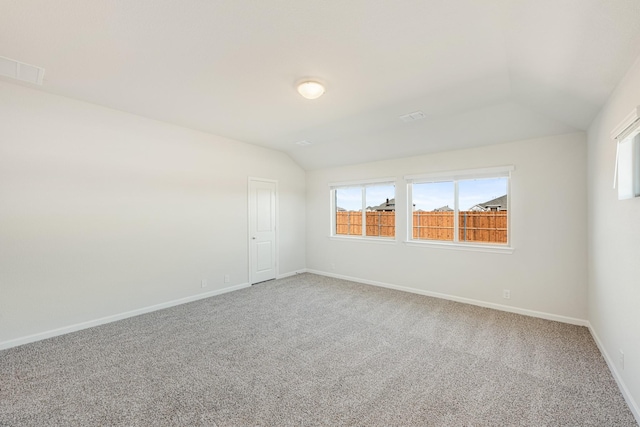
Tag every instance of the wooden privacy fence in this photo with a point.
(488, 227)
(381, 224)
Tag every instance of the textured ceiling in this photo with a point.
(483, 72)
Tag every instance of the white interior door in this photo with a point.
(262, 230)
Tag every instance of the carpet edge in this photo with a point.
(15, 342)
(480, 303)
(633, 406)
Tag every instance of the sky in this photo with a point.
(428, 196)
(351, 198)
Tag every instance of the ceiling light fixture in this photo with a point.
(311, 89)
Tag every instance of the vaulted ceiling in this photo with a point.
(483, 72)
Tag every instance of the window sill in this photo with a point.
(377, 240)
(462, 246)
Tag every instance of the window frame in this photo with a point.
(363, 184)
(455, 177)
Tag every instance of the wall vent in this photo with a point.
(21, 71)
(410, 117)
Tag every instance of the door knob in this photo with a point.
(253, 238)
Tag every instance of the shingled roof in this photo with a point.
(445, 208)
(389, 205)
(499, 203)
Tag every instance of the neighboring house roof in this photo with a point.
(444, 208)
(389, 205)
(499, 203)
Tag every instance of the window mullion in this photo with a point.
(364, 211)
(334, 210)
(410, 212)
(456, 208)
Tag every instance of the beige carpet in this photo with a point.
(310, 350)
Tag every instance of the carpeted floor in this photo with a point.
(310, 350)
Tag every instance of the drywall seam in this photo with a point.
(108, 319)
(510, 309)
(635, 408)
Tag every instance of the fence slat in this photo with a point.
(487, 227)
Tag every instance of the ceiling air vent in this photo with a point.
(21, 71)
(411, 117)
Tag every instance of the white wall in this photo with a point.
(103, 212)
(546, 272)
(614, 244)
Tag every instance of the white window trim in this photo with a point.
(370, 239)
(455, 176)
(474, 247)
(362, 184)
(624, 134)
(494, 172)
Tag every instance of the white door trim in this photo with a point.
(251, 179)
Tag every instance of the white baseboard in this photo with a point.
(510, 309)
(291, 273)
(108, 319)
(635, 408)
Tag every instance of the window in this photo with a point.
(364, 209)
(433, 210)
(627, 169)
(466, 207)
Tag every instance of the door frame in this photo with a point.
(251, 179)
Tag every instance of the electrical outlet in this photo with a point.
(506, 294)
(203, 283)
(621, 359)
(227, 278)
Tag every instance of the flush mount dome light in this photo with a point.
(310, 89)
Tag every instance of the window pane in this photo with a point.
(433, 204)
(483, 210)
(349, 211)
(381, 210)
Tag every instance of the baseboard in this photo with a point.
(291, 273)
(510, 309)
(635, 408)
(108, 319)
